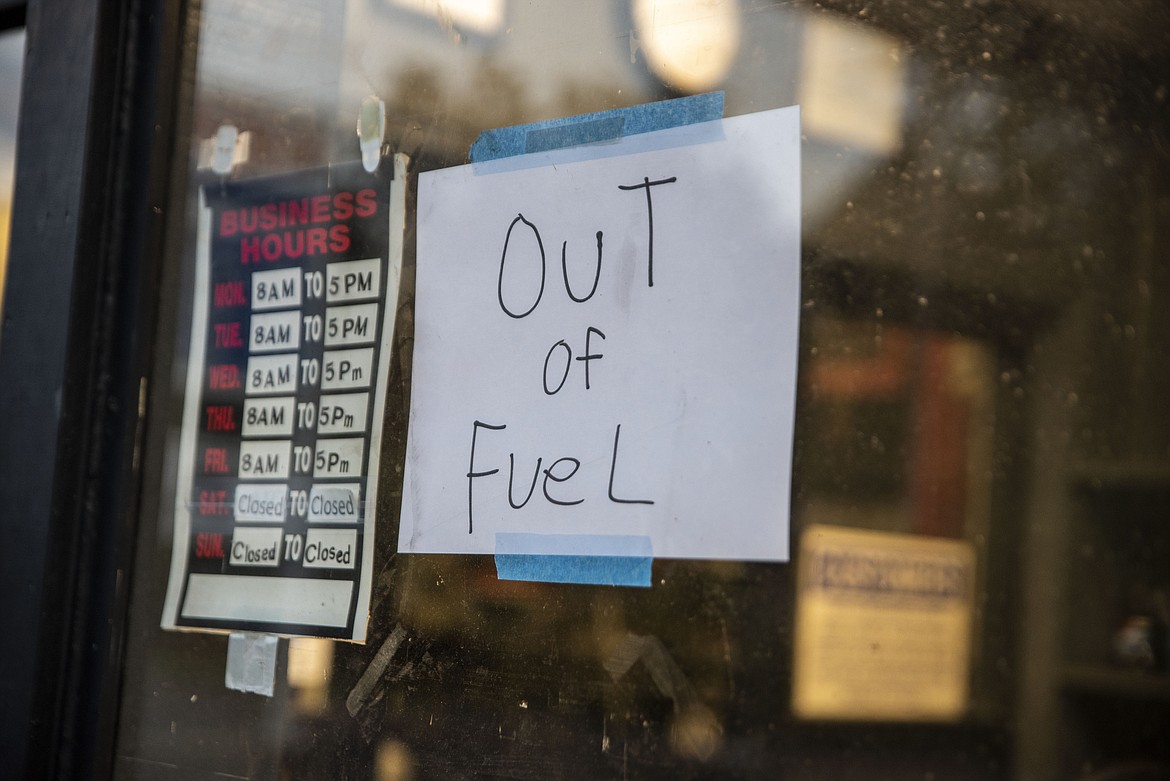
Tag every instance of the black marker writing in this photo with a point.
(568, 363)
(504, 257)
(649, 216)
(613, 468)
(471, 473)
(511, 474)
(560, 471)
(568, 359)
(548, 475)
(588, 356)
(596, 272)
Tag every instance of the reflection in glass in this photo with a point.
(985, 200)
(11, 61)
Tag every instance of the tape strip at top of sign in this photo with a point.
(690, 227)
(596, 127)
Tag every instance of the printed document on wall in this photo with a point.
(296, 292)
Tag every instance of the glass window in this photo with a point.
(985, 204)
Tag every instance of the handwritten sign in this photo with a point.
(606, 343)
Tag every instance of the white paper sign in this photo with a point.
(606, 344)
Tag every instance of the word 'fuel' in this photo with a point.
(553, 473)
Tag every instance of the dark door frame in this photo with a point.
(94, 142)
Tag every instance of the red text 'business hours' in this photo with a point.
(298, 227)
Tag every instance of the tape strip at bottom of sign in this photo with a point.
(595, 128)
(588, 559)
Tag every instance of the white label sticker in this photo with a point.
(268, 417)
(264, 459)
(255, 547)
(272, 374)
(262, 503)
(276, 289)
(339, 457)
(883, 626)
(347, 369)
(354, 280)
(343, 414)
(357, 324)
(275, 332)
(334, 503)
(330, 548)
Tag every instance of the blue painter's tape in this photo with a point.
(542, 139)
(604, 560)
(597, 127)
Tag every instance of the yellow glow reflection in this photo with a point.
(689, 44)
(309, 662)
(851, 87)
(11, 67)
(480, 16)
(5, 216)
(393, 762)
(883, 628)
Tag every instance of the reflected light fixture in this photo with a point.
(689, 44)
(852, 85)
(484, 17)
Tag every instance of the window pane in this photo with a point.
(980, 580)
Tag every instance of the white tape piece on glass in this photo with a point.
(251, 663)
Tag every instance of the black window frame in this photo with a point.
(94, 143)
